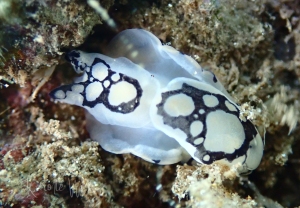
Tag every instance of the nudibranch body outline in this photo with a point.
(150, 100)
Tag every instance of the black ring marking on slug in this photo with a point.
(124, 108)
(73, 58)
(197, 97)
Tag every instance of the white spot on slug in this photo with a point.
(230, 106)
(93, 91)
(106, 83)
(210, 101)
(121, 92)
(225, 132)
(100, 71)
(60, 94)
(196, 128)
(115, 77)
(198, 141)
(179, 105)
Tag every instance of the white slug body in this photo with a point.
(150, 100)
